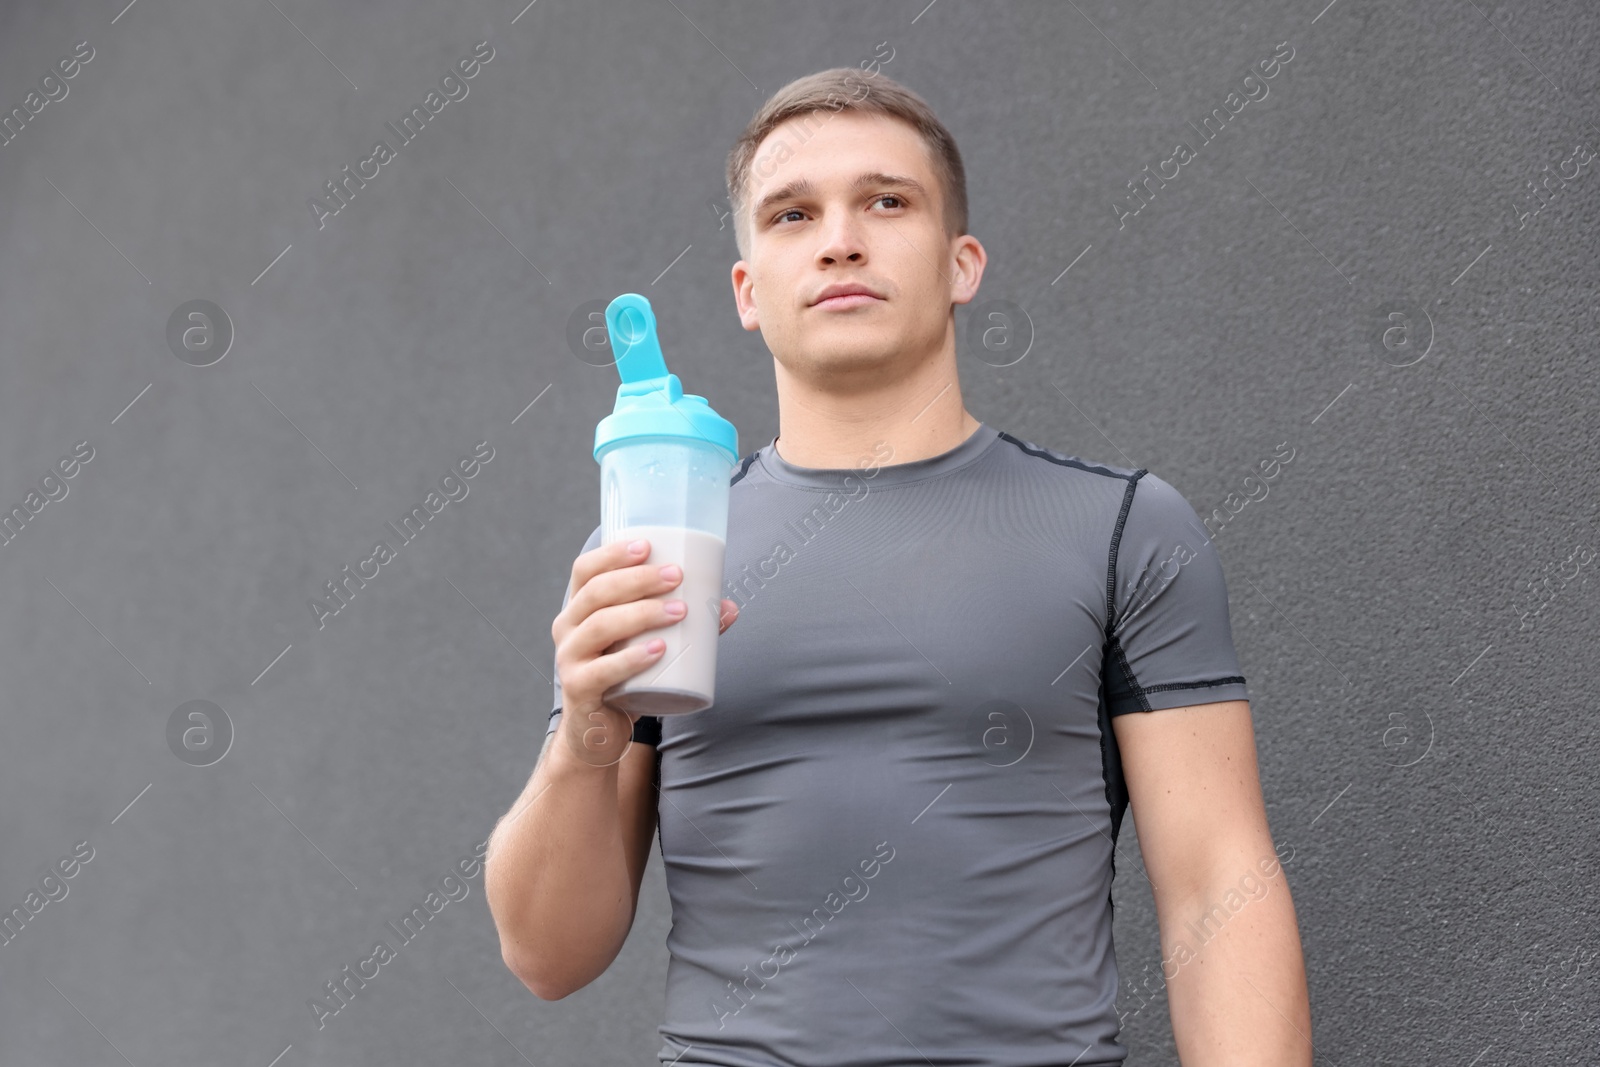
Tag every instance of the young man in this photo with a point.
(958, 657)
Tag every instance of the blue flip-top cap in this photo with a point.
(650, 401)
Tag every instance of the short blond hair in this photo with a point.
(848, 89)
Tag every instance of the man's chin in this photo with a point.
(844, 353)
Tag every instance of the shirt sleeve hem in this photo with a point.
(1183, 694)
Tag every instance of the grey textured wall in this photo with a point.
(1414, 599)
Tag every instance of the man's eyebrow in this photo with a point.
(804, 187)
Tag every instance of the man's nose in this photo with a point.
(842, 240)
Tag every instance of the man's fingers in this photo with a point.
(730, 612)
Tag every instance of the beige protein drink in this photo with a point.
(684, 676)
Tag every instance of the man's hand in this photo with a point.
(612, 601)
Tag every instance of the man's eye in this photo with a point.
(899, 201)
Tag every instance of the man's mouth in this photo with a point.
(842, 295)
(847, 301)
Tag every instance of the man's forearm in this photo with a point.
(556, 874)
(1236, 978)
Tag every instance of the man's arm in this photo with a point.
(564, 865)
(1230, 945)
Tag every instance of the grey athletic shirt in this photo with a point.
(891, 839)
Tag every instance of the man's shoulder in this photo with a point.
(1138, 501)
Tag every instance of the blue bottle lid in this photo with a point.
(650, 401)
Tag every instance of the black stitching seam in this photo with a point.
(1192, 685)
(1116, 542)
(1065, 461)
(1107, 737)
(751, 458)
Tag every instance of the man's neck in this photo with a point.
(829, 440)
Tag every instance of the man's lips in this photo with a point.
(841, 303)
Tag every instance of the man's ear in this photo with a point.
(970, 258)
(744, 296)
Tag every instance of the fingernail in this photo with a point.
(676, 607)
(636, 547)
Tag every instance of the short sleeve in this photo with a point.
(646, 728)
(1171, 639)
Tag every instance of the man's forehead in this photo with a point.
(890, 136)
(897, 157)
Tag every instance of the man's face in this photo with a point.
(886, 233)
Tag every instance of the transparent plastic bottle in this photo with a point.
(665, 460)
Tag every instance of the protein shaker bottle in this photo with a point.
(665, 460)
